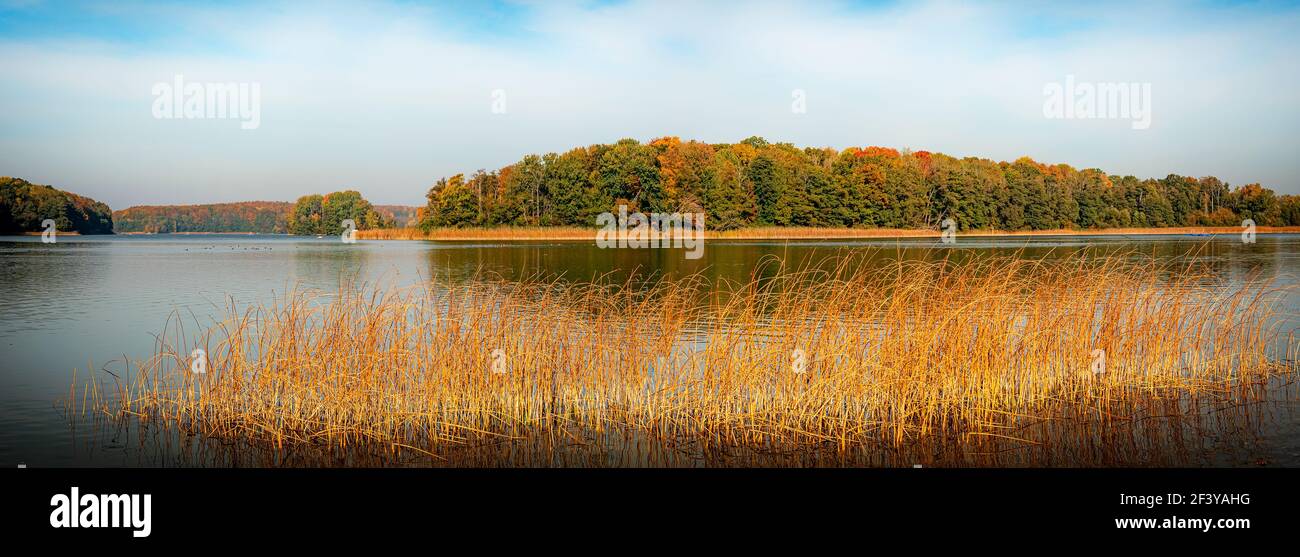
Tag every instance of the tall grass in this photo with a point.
(975, 361)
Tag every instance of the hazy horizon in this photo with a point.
(386, 98)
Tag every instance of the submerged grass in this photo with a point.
(991, 360)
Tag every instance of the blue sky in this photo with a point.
(387, 97)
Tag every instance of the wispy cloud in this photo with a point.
(386, 98)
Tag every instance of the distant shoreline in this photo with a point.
(792, 233)
(558, 233)
(198, 233)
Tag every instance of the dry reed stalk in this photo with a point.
(991, 349)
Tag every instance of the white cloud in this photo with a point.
(386, 99)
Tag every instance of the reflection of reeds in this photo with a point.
(942, 362)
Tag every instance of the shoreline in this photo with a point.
(56, 233)
(564, 233)
(799, 233)
(199, 233)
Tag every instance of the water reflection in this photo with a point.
(1163, 432)
(738, 261)
(85, 303)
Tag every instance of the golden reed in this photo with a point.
(988, 360)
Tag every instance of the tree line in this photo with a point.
(757, 183)
(24, 206)
(264, 217)
(259, 217)
(324, 214)
(750, 183)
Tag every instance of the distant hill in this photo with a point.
(24, 206)
(263, 217)
(400, 215)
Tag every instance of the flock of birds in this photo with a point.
(234, 247)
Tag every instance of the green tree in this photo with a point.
(324, 214)
(348, 205)
(1258, 203)
(307, 216)
(756, 182)
(523, 186)
(729, 202)
(571, 188)
(24, 206)
(451, 204)
(1289, 210)
(629, 170)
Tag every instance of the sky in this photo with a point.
(388, 97)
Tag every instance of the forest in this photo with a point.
(324, 214)
(751, 183)
(260, 217)
(399, 215)
(24, 206)
(757, 183)
(263, 217)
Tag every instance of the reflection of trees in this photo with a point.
(1219, 263)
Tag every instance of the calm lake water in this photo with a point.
(84, 302)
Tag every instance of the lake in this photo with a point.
(85, 302)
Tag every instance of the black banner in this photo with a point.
(1183, 507)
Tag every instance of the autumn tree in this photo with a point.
(307, 216)
(758, 182)
(24, 206)
(450, 203)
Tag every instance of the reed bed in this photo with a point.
(554, 233)
(988, 360)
